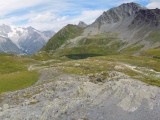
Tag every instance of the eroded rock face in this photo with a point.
(147, 17)
(73, 97)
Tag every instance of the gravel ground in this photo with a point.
(59, 96)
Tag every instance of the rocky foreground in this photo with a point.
(60, 96)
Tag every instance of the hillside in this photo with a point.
(68, 32)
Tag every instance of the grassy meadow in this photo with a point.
(14, 74)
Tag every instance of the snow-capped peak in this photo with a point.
(27, 39)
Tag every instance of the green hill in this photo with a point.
(68, 32)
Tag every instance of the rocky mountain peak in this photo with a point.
(82, 24)
(119, 13)
(132, 5)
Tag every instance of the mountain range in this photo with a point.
(128, 28)
(22, 40)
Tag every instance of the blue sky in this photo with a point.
(54, 14)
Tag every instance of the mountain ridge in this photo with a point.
(129, 21)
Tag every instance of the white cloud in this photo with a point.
(48, 20)
(54, 14)
(8, 6)
(154, 5)
(88, 16)
(43, 17)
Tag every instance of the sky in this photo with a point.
(55, 14)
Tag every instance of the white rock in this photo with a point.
(1, 109)
(5, 106)
(77, 65)
(119, 68)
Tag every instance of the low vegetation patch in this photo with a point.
(154, 37)
(18, 80)
(132, 49)
(155, 53)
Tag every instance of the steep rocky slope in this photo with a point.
(7, 46)
(115, 20)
